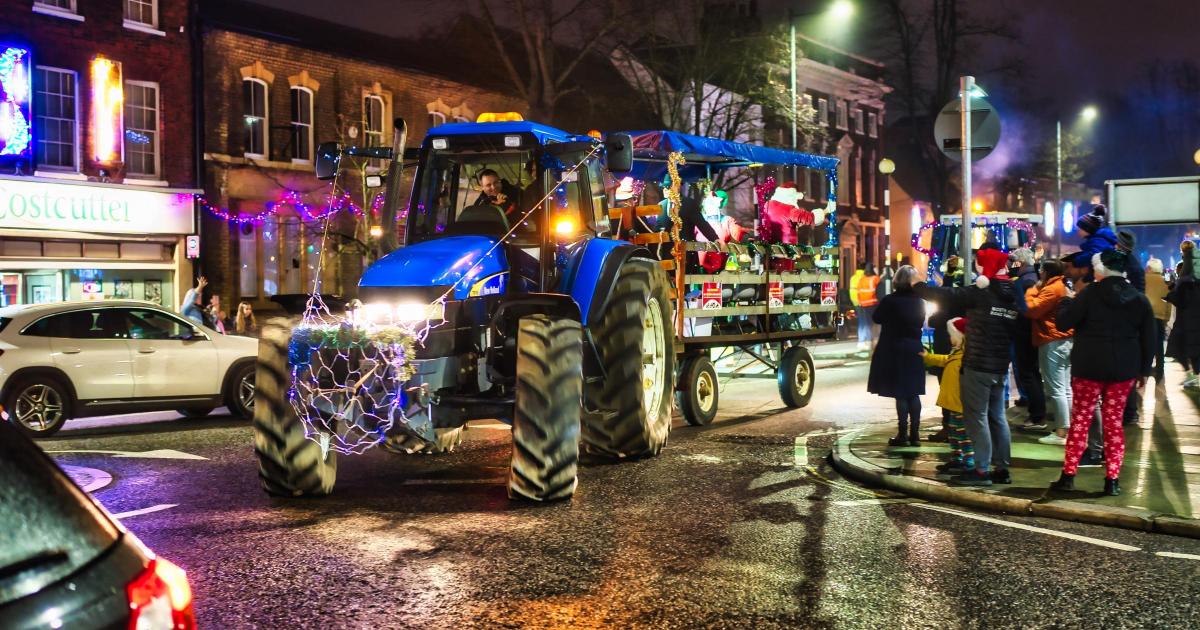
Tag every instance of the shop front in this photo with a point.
(76, 240)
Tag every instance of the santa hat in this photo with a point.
(993, 262)
(1110, 263)
(957, 328)
(787, 194)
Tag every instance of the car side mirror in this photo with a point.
(329, 156)
(619, 150)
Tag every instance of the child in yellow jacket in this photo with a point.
(962, 453)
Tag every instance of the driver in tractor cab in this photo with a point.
(498, 192)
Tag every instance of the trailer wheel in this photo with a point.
(289, 464)
(446, 440)
(796, 377)
(635, 340)
(698, 393)
(549, 405)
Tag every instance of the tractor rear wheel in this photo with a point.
(548, 408)
(289, 464)
(635, 340)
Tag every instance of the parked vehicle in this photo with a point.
(530, 309)
(64, 561)
(76, 359)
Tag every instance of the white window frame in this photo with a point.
(138, 25)
(857, 115)
(823, 111)
(41, 6)
(266, 120)
(368, 133)
(461, 119)
(842, 116)
(873, 191)
(78, 131)
(438, 115)
(157, 174)
(872, 125)
(312, 106)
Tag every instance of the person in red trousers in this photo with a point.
(1115, 333)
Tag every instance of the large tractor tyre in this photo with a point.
(635, 340)
(444, 442)
(698, 393)
(796, 377)
(548, 409)
(289, 464)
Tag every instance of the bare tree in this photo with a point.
(540, 65)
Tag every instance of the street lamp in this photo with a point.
(839, 11)
(886, 168)
(1088, 114)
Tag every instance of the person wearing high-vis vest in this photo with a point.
(864, 292)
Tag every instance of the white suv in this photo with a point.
(76, 359)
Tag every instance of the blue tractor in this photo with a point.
(530, 312)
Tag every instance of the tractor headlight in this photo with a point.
(382, 313)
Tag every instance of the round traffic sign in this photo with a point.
(985, 129)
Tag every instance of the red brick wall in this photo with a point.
(164, 59)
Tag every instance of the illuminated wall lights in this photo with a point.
(108, 96)
(1048, 219)
(1068, 218)
(16, 121)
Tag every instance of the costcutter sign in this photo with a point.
(39, 205)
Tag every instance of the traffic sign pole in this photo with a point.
(967, 85)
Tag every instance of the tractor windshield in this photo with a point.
(474, 192)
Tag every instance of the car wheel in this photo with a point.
(195, 412)
(38, 405)
(241, 392)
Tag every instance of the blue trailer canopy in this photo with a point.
(651, 148)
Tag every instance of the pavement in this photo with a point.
(1160, 478)
(739, 524)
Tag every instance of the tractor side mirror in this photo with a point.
(619, 148)
(329, 155)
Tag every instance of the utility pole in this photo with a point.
(967, 85)
(1058, 179)
(795, 107)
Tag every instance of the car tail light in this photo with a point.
(160, 599)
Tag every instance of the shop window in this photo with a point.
(823, 112)
(873, 125)
(248, 259)
(290, 256)
(142, 12)
(373, 119)
(842, 115)
(141, 128)
(56, 109)
(270, 259)
(255, 117)
(302, 124)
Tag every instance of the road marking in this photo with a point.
(164, 453)
(1172, 554)
(153, 508)
(95, 477)
(703, 458)
(442, 482)
(820, 432)
(801, 451)
(495, 426)
(860, 502)
(1029, 528)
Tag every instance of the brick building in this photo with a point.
(275, 85)
(97, 165)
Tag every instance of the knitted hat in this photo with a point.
(1109, 263)
(957, 328)
(1094, 220)
(1126, 240)
(992, 263)
(787, 194)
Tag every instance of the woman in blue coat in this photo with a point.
(897, 370)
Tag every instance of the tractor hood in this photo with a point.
(461, 261)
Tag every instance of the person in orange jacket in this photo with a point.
(1053, 345)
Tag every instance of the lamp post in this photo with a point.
(838, 11)
(886, 168)
(1087, 114)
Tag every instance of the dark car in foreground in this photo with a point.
(64, 561)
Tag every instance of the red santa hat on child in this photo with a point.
(957, 328)
(787, 194)
(993, 263)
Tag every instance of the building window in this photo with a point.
(248, 259)
(302, 124)
(858, 179)
(858, 121)
(373, 119)
(806, 101)
(436, 118)
(461, 119)
(254, 109)
(873, 125)
(56, 110)
(142, 12)
(59, 8)
(141, 128)
(841, 115)
(63, 5)
(871, 166)
(823, 112)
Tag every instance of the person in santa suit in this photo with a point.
(782, 213)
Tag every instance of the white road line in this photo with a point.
(153, 508)
(1029, 528)
(97, 478)
(162, 453)
(440, 482)
(801, 451)
(1172, 554)
(861, 502)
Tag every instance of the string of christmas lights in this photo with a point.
(294, 199)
